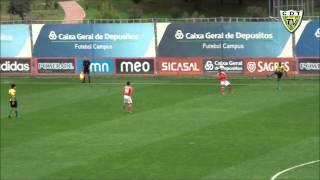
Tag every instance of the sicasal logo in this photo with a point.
(179, 34)
(291, 19)
(52, 35)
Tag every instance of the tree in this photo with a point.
(136, 1)
(19, 7)
(255, 11)
(47, 4)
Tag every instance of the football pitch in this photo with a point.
(180, 129)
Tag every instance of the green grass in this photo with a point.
(180, 129)
(164, 8)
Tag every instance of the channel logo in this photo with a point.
(98, 66)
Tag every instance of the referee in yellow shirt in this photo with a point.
(279, 72)
(13, 100)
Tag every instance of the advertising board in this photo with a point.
(15, 41)
(239, 39)
(98, 66)
(231, 65)
(135, 66)
(308, 39)
(13, 65)
(55, 65)
(309, 66)
(94, 40)
(265, 66)
(180, 66)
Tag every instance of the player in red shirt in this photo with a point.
(223, 78)
(127, 100)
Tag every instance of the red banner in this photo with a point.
(180, 66)
(265, 66)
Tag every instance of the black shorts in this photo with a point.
(13, 104)
(86, 71)
(279, 74)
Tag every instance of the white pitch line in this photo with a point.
(291, 168)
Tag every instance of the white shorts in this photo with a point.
(225, 83)
(127, 99)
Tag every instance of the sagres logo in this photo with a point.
(251, 66)
(291, 19)
(179, 34)
(52, 35)
(317, 33)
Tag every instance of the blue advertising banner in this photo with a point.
(15, 41)
(94, 40)
(245, 39)
(308, 44)
(103, 66)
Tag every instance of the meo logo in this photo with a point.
(135, 66)
(251, 66)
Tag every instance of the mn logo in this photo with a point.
(291, 19)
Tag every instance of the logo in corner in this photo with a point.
(52, 35)
(317, 33)
(179, 34)
(291, 19)
(251, 66)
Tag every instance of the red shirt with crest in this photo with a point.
(127, 90)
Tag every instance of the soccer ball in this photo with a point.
(81, 76)
(221, 67)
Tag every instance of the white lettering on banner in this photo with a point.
(233, 46)
(128, 66)
(310, 66)
(259, 35)
(180, 66)
(271, 66)
(116, 37)
(55, 66)
(102, 46)
(92, 46)
(5, 37)
(8, 66)
(82, 46)
(99, 67)
(67, 37)
(211, 46)
(223, 35)
(90, 37)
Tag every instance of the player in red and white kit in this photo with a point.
(127, 100)
(223, 78)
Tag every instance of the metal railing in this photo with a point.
(192, 20)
